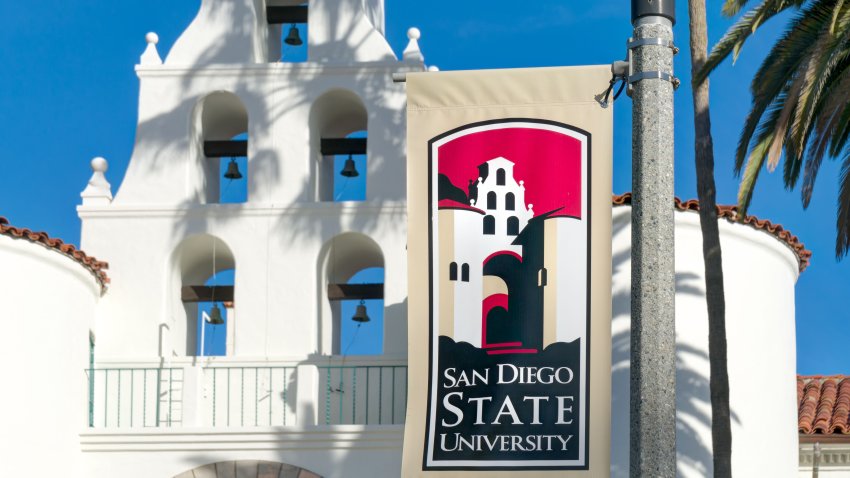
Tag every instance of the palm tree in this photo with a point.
(721, 432)
(800, 96)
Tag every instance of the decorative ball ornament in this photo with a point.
(413, 33)
(99, 165)
(152, 37)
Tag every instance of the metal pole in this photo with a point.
(816, 460)
(653, 340)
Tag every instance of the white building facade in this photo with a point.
(283, 397)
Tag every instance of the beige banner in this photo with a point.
(440, 102)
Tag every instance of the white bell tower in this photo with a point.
(227, 98)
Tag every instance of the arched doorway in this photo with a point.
(248, 469)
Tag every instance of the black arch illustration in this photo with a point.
(489, 225)
(510, 202)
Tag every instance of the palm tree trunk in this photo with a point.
(721, 432)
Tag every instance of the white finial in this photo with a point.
(151, 55)
(472, 202)
(531, 208)
(99, 165)
(98, 191)
(433, 68)
(412, 52)
(522, 182)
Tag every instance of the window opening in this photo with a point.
(491, 200)
(513, 226)
(224, 141)
(363, 338)
(510, 202)
(542, 279)
(355, 295)
(349, 179)
(500, 177)
(489, 225)
(453, 271)
(288, 27)
(213, 314)
(233, 174)
(464, 273)
(339, 137)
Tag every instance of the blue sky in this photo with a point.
(68, 93)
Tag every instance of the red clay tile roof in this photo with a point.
(98, 268)
(730, 213)
(823, 405)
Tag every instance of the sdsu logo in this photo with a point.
(509, 288)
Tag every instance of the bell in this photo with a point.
(349, 170)
(293, 38)
(215, 315)
(233, 170)
(360, 315)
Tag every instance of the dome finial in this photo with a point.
(151, 55)
(412, 52)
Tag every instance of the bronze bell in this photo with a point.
(360, 315)
(349, 170)
(233, 170)
(215, 315)
(293, 38)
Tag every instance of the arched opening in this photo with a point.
(339, 129)
(206, 269)
(453, 271)
(489, 225)
(513, 226)
(287, 39)
(500, 177)
(247, 469)
(510, 202)
(221, 132)
(464, 273)
(491, 200)
(354, 276)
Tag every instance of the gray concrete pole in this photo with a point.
(653, 339)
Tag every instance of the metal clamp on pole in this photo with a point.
(652, 42)
(654, 75)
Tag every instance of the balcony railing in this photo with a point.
(135, 397)
(249, 396)
(224, 395)
(364, 395)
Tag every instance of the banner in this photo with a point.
(509, 254)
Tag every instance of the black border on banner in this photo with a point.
(588, 201)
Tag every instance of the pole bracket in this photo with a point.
(632, 44)
(654, 75)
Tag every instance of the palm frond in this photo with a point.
(842, 223)
(833, 120)
(734, 38)
(751, 174)
(755, 160)
(826, 54)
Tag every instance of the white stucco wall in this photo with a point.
(759, 272)
(48, 304)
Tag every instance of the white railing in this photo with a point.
(260, 394)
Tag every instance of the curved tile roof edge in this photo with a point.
(96, 267)
(823, 405)
(730, 213)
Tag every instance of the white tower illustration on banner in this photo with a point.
(499, 199)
